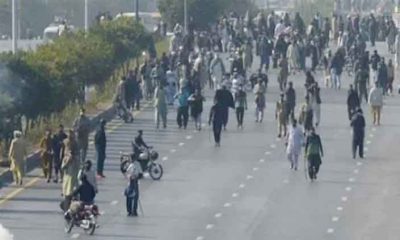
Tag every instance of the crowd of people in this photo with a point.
(194, 63)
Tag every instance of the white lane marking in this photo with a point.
(365, 149)
(228, 204)
(351, 179)
(330, 230)
(344, 199)
(278, 139)
(267, 153)
(209, 226)
(262, 160)
(356, 171)
(173, 150)
(242, 185)
(200, 238)
(359, 163)
(335, 219)
(235, 195)
(75, 235)
(348, 189)
(368, 142)
(218, 215)
(115, 202)
(165, 158)
(181, 144)
(188, 137)
(339, 208)
(102, 213)
(373, 129)
(255, 169)
(371, 135)
(286, 181)
(272, 146)
(248, 177)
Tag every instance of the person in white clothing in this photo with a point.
(375, 100)
(295, 140)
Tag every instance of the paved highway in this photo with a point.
(6, 45)
(243, 190)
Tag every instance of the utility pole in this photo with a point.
(137, 11)
(14, 26)
(86, 15)
(185, 9)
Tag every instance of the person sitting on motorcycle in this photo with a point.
(86, 194)
(139, 144)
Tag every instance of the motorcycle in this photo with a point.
(146, 163)
(85, 218)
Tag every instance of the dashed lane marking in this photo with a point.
(115, 202)
(218, 215)
(181, 144)
(351, 179)
(359, 163)
(200, 238)
(209, 226)
(235, 195)
(188, 137)
(262, 160)
(340, 208)
(228, 204)
(344, 199)
(75, 235)
(255, 169)
(165, 158)
(173, 150)
(248, 177)
(356, 171)
(373, 129)
(330, 230)
(267, 153)
(242, 185)
(272, 146)
(348, 189)
(335, 219)
(371, 135)
(368, 142)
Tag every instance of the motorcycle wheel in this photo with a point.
(156, 171)
(124, 166)
(68, 225)
(92, 226)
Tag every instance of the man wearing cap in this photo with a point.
(100, 142)
(358, 125)
(17, 155)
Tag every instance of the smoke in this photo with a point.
(5, 234)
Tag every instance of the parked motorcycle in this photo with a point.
(85, 218)
(146, 163)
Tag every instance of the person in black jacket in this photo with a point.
(358, 125)
(100, 143)
(353, 102)
(225, 98)
(217, 115)
(58, 140)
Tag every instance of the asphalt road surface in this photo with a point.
(243, 190)
(6, 45)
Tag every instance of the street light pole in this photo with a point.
(86, 15)
(137, 11)
(14, 26)
(185, 9)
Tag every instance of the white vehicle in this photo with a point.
(55, 30)
(150, 20)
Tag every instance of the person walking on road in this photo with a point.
(217, 114)
(182, 115)
(281, 116)
(240, 105)
(290, 99)
(160, 105)
(260, 106)
(294, 144)
(196, 108)
(46, 155)
(361, 82)
(100, 142)
(353, 101)
(313, 153)
(17, 155)
(358, 125)
(132, 190)
(70, 167)
(383, 76)
(306, 115)
(82, 127)
(375, 100)
(391, 73)
(58, 140)
(225, 98)
(283, 73)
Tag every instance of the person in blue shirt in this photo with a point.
(183, 107)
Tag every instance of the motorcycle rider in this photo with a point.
(139, 144)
